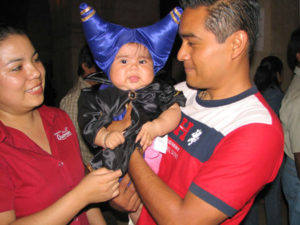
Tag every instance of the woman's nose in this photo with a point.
(35, 71)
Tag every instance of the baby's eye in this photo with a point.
(143, 61)
(123, 61)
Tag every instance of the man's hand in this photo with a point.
(128, 199)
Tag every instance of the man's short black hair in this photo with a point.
(228, 16)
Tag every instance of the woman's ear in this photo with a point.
(239, 43)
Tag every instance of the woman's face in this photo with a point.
(22, 75)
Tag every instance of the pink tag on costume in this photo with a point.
(153, 153)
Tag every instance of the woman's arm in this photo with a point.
(95, 216)
(100, 185)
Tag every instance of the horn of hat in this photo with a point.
(105, 39)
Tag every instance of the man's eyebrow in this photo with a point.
(188, 35)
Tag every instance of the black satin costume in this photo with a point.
(96, 109)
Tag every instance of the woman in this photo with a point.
(41, 172)
(268, 79)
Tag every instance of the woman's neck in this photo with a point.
(19, 120)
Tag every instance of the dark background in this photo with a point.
(55, 30)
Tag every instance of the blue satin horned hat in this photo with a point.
(105, 39)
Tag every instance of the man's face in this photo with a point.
(205, 60)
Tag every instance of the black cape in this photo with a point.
(97, 109)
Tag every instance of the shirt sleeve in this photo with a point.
(243, 162)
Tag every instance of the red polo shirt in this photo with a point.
(30, 178)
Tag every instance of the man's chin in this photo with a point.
(192, 85)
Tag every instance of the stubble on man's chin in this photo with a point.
(192, 86)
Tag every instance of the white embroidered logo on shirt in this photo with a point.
(195, 137)
(63, 134)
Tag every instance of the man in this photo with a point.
(229, 144)
(289, 115)
(68, 103)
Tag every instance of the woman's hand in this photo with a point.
(99, 186)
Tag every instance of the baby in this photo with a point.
(130, 58)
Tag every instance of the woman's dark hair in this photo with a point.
(7, 30)
(267, 72)
(293, 49)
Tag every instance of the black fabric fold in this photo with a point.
(98, 108)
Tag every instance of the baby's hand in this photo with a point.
(146, 135)
(113, 139)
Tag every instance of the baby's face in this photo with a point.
(132, 67)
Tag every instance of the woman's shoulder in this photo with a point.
(50, 109)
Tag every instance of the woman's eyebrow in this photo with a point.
(13, 61)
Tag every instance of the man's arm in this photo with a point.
(167, 207)
(128, 199)
(95, 217)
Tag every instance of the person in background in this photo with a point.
(41, 172)
(229, 143)
(69, 102)
(290, 118)
(267, 79)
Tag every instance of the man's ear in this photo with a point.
(239, 43)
